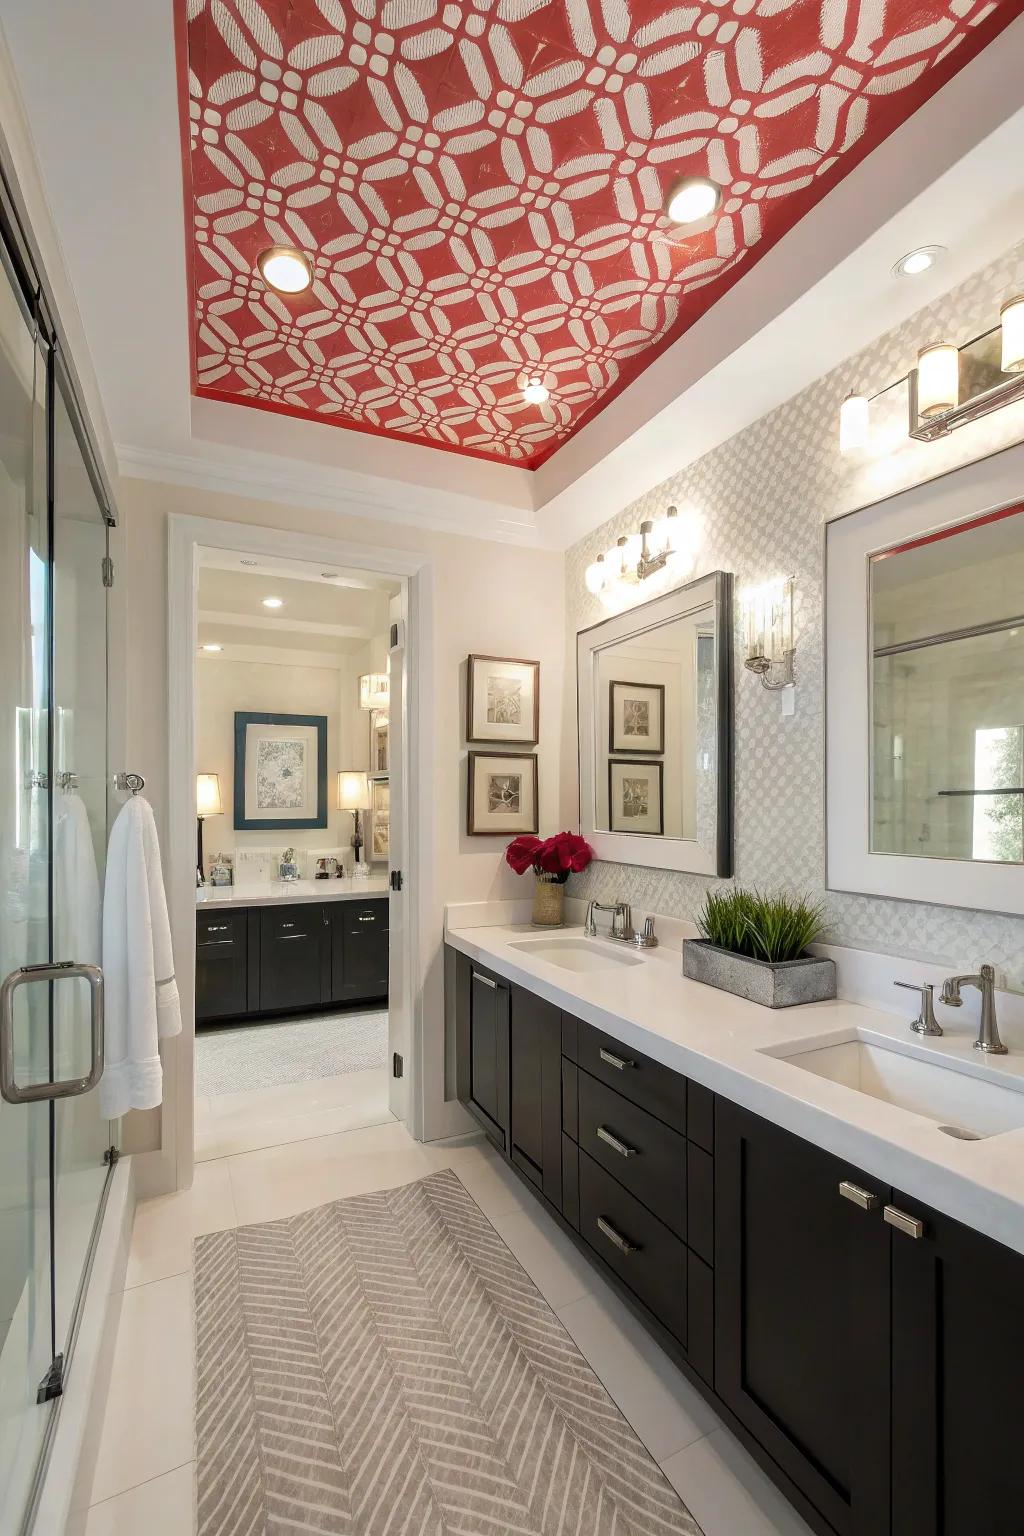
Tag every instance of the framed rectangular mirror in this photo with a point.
(654, 713)
(925, 695)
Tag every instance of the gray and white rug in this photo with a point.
(383, 1366)
(237, 1059)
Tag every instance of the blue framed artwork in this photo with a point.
(280, 772)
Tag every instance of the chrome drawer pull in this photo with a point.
(623, 1244)
(486, 981)
(367, 919)
(620, 1062)
(862, 1197)
(910, 1226)
(216, 927)
(623, 1148)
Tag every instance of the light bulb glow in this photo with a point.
(273, 602)
(595, 576)
(284, 269)
(1011, 318)
(938, 380)
(213, 647)
(922, 259)
(208, 801)
(692, 199)
(853, 423)
(536, 392)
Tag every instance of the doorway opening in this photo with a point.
(296, 746)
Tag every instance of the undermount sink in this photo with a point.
(576, 954)
(962, 1101)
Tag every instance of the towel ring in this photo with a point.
(130, 781)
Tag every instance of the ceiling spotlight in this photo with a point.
(536, 392)
(916, 262)
(693, 198)
(213, 647)
(273, 602)
(285, 269)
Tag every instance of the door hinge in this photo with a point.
(396, 879)
(52, 1384)
(107, 567)
(397, 1066)
(110, 1157)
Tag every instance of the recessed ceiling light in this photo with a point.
(273, 602)
(916, 262)
(284, 268)
(213, 647)
(536, 392)
(693, 198)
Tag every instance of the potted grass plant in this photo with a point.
(755, 945)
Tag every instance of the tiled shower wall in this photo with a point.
(760, 503)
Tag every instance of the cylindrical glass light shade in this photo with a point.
(614, 558)
(595, 576)
(1011, 317)
(353, 791)
(208, 795)
(853, 424)
(938, 379)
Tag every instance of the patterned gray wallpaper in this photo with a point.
(760, 503)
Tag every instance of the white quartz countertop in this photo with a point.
(719, 1040)
(264, 893)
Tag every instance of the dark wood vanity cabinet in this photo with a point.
(359, 950)
(221, 964)
(291, 956)
(875, 1374)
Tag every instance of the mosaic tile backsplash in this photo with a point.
(759, 504)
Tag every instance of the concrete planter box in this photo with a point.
(808, 980)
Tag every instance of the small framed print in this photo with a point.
(380, 742)
(380, 822)
(636, 797)
(503, 700)
(636, 717)
(280, 772)
(502, 794)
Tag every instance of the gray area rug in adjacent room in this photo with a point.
(383, 1366)
(237, 1059)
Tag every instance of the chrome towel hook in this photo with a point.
(134, 782)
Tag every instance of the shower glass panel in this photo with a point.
(26, 1341)
(81, 1137)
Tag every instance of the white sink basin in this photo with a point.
(964, 1101)
(577, 954)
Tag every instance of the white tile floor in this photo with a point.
(228, 1123)
(144, 1473)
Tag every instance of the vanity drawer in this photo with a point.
(220, 927)
(654, 1087)
(359, 917)
(639, 1248)
(636, 1148)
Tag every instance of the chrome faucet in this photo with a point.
(926, 1022)
(985, 981)
(622, 919)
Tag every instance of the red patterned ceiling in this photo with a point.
(480, 184)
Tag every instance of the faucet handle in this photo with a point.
(926, 1023)
(646, 939)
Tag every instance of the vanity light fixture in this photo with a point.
(853, 423)
(284, 269)
(922, 259)
(273, 602)
(536, 392)
(693, 198)
(938, 379)
(1011, 321)
(659, 545)
(374, 690)
(769, 647)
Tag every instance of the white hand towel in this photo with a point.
(76, 925)
(142, 1004)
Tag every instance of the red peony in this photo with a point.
(563, 855)
(521, 853)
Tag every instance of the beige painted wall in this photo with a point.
(491, 598)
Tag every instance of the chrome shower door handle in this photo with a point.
(66, 1088)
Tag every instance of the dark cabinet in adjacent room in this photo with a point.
(291, 945)
(359, 950)
(221, 964)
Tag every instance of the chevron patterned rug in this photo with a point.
(383, 1366)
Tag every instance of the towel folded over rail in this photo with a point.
(142, 1006)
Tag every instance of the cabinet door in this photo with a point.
(359, 951)
(535, 1091)
(802, 1297)
(958, 1380)
(221, 990)
(482, 1020)
(291, 951)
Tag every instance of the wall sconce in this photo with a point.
(853, 423)
(660, 545)
(374, 690)
(769, 648)
(937, 381)
(1011, 324)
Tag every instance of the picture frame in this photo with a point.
(636, 717)
(502, 700)
(280, 772)
(502, 794)
(378, 842)
(380, 743)
(636, 796)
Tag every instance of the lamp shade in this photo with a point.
(938, 380)
(353, 791)
(374, 690)
(208, 795)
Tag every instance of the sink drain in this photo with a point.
(960, 1133)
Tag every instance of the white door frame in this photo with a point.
(185, 536)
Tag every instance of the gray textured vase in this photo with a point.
(808, 980)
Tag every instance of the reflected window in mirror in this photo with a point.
(947, 692)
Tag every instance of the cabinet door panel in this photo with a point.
(359, 950)
(958, 1370)
(487, 1075)
(802, 1316)
(221, 955)
(291, 947)
(535, 1091)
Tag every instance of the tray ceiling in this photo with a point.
(480, 187)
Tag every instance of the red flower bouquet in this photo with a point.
(555, 857)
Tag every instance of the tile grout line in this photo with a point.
(133, 1486)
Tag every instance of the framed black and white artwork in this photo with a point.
(502, 794)
(280, 772)
(503, 700)
(636, 717)
(636, 796)
(380, 821)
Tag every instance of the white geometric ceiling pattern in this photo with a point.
(480, 187)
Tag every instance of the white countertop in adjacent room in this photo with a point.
(264, 893)
(719, 1040)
